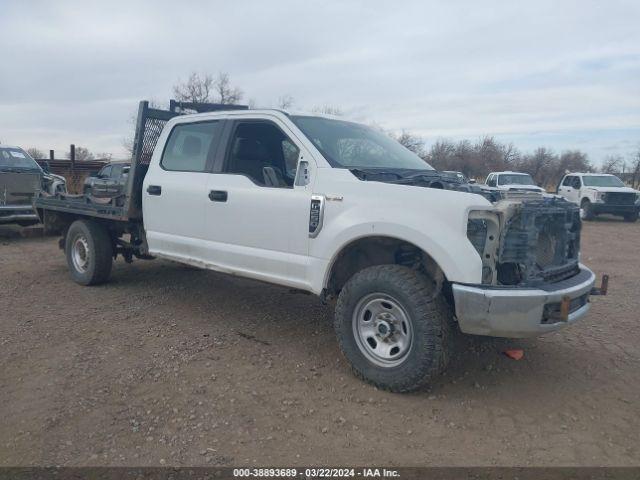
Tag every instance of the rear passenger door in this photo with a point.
(568, 188)
(175, 191)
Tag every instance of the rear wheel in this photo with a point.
(586, 210)
(89, 252)
(631, 217)
(391, 329)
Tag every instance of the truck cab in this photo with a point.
(598, 193)
(407, 255)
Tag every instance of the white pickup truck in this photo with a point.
(597, 193)
(340, 210)
(512, 181)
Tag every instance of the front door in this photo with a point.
(257, 219)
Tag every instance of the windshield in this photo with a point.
(16, 158)
(351, 145)
(602, 181)
(516, 179)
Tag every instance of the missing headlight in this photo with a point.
(483, 233)
(477, 234)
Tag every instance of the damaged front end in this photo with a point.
(527, 240)
(532, 281)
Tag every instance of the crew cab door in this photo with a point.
(175, 190)
(256, 217)
(570, 188)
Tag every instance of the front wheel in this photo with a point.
(586, 210)
(392, 330)
(631, 217)
(89, 252)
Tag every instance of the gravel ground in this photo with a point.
(168, 365)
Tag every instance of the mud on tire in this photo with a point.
(89, 252)
(430, 323)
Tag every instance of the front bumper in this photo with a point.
(15, 214)
(615, 209)
(521, 312)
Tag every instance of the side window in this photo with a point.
(116, 171)
(263, 153)
(491, 180)
(190, 145)
(576, 183)
(567, 181)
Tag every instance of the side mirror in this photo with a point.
(302, 174)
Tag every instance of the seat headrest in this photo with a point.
(192, 146)
(249, 149)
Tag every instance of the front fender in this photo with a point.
(450, 249)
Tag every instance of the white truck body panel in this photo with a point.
(260, 232)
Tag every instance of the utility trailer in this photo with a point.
(123, 214)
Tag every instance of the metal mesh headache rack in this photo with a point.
(149, 126)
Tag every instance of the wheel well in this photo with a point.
(584, 200)
(379, 250)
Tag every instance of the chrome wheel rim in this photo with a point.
(382, 330)
(80, 254)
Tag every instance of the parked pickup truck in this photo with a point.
(21, 178)
(343, 211)
(600, 193)
(512, 181)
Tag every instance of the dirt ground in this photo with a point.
(168, 365)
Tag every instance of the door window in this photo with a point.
(567, 181)
(116, 171)
(576, 183)
(263, 153)
(190, 146)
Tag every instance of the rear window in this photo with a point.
(190, 145)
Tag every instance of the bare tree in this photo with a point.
(35, 153)
(227, 94)
(104, 156)
(196, 89)
(612, 164)
(541, 165)
(82, 154)
(411, 142)
(327, 110)
(204, 88)
(285, 102)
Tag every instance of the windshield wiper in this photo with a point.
(365, 174)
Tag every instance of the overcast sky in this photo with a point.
(559, 74)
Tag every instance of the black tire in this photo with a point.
(587, 210)
(431, 323)
(631, 217)
(95, 241)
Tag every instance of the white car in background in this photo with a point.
(600, 193)
(512, 181)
